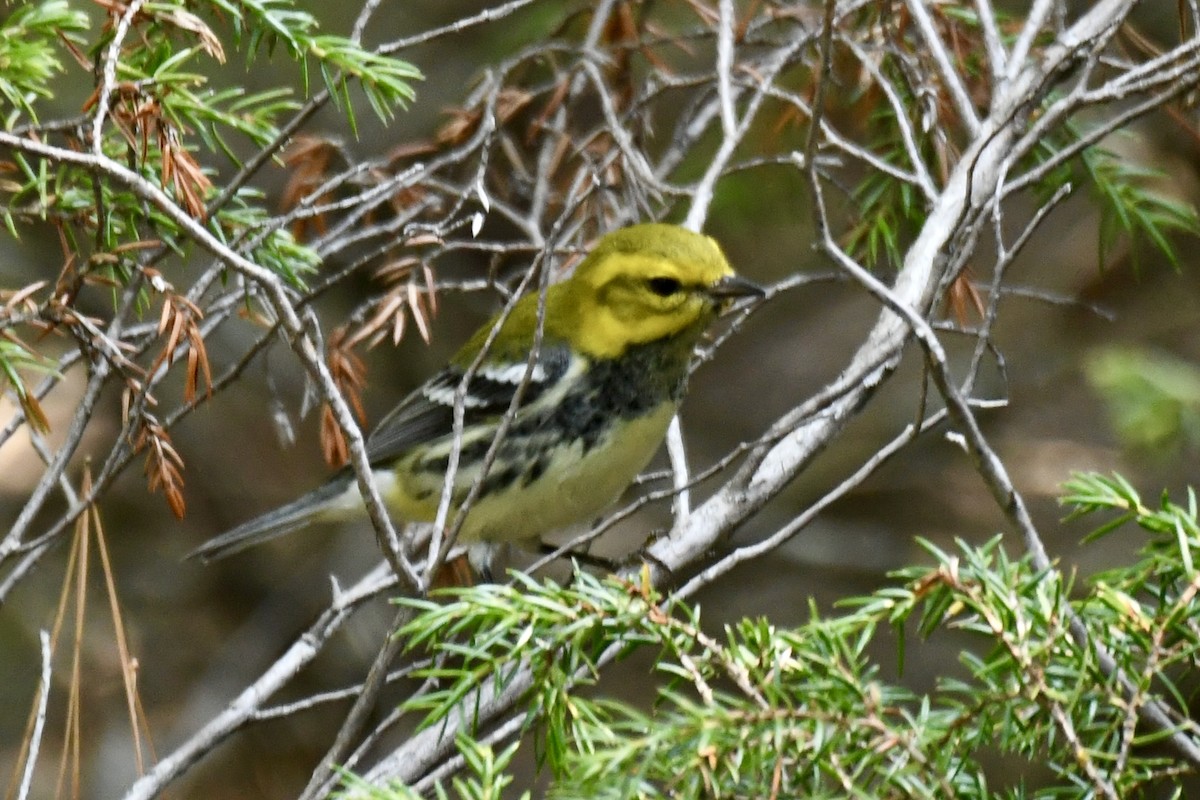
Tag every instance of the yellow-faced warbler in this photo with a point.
(609, 374)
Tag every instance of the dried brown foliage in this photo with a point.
(164, 465)
(308, 159)
(350, 375)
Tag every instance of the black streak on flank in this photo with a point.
(627, 388)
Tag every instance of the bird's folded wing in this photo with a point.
(428, 413)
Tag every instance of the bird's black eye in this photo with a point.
(663, 286)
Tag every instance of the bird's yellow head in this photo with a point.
(644, 283)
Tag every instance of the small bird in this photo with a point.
(609, 374)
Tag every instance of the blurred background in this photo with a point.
(1099, 367)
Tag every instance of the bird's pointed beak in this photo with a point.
(733, 287)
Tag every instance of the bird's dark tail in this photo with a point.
(284, 519)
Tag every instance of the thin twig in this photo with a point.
(997, 56)
(108, 74)
(946, 71)
(39, 724)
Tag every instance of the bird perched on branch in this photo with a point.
(595, 400)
